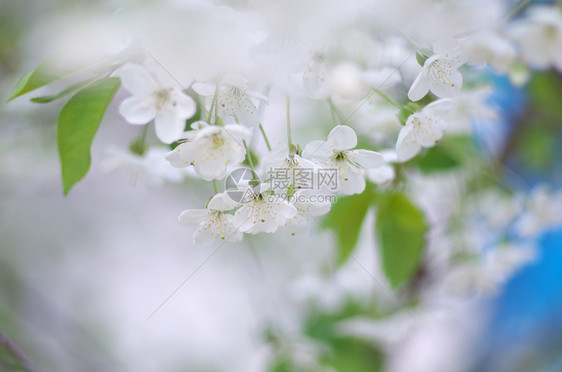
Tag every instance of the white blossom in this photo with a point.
(468, 106)
(543, 211)
(234, 99)
(212, 223)
(282, 168)
(336, 153)
(309, 203)
(153, 99)
(152, 166)
(422, 129)
(485, 275)
(263, 211)
(539, 36)
(439, 75)
(489, 47)
(210, 149)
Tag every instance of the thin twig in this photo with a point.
(8, 344)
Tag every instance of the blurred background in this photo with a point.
(105, 279)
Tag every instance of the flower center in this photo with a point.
(217, 140)
(162, 96)
(339, 156)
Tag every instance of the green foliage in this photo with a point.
(345, 219)
(139, 147)
(546, 94)
(199, 111)
(437, 159)
(537, 146)
(345, 353)
(401, 229)
(251, 160)
(448, 154)
(78, 123)
(42, 75)
(408, 110)
(283, 365)
(71, 89)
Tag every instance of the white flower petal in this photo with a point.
(317, 149)
(381, 175)
(184, 106)
(405, 147)
(352, 184)
(220, 202)
(184, 155)
(169, 126)
(419, 87)
(447, 85)
(137, 80)
(138, 109)
(192, 217)
(203, 235)
(204, 89)
(342, 138)
(441, 106)
(366, 158)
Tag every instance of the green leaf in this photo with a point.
(546, 94)
(345, 219)
(448, 154)
(42, 75)
(437, 159)
(71, 89)
(79, 121)
(401, 229)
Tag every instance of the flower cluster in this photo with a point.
(218, 137)
(280, 109)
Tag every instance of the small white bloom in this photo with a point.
(439, 75)
(486, 275)
(336, 153)
(212, 223)
(152, 165)
(310, 203)
(210, 149)
(234, 99)
(543, 212)
(539, 36)
(469, 106)
(283, 169)
(263, 212)
(384, 174)
(422, 129)
(488, 47)
(154, 100)
(315, 77)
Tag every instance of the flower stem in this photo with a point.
(334, 111)
(289, 141)
(13, 349)
(390, 100)
(249, 155)
(213, 105)
(216, 186)
(143, 135)
(265, 137)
